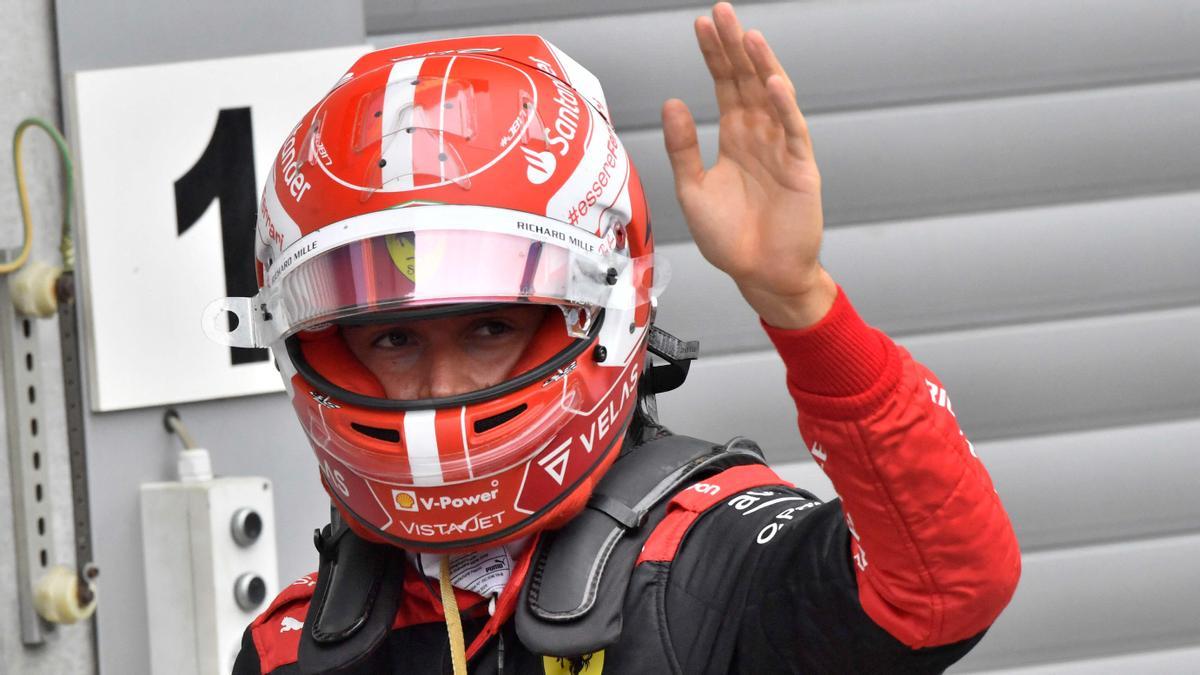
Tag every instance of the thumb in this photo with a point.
(683, 148)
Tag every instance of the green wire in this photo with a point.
(67, 245)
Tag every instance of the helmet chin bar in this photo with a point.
(478, 542)
(324, 386)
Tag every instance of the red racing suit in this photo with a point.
(744, 573)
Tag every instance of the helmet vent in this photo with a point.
(389, 435)
(494, 421)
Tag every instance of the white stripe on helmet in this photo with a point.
(420, 437)
(399, 113)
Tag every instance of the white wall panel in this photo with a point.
(840, 54)
(973, 270)
(1093, 601)
(1087, 487)
(1005, 382)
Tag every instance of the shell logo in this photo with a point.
(404, 500)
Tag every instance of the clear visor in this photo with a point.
(397, 271)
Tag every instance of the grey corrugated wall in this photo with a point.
(1012, 191)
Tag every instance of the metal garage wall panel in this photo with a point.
(1095, 601)
(1067, 375)
(843, 54)
(975, 270)
(1183, 660)
(395, 16)
(923, 161)
(95, 35)
(1083, 488)
(1102, 485)
(980, 155)
(1005, 382)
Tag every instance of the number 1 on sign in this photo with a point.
(225, 172)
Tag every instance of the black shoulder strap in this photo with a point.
(572, 599)
(359, 587)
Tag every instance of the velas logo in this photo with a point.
(404, 500)
(541, 165)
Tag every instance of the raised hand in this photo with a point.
(756, 213)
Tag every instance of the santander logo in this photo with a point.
(541, 165)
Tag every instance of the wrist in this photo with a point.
(792, 311)
(839, 366)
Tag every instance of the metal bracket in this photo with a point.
(33, 533)
(68, 336)
(678, 354)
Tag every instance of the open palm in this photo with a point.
(756, 213)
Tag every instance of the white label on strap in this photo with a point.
(482, 572)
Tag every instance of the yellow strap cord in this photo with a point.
(67, 246)
(458, 648)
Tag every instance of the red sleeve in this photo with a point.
(934, 552)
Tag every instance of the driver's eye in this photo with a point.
(492, 328)
(394, 338)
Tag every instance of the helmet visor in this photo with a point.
(534, 260)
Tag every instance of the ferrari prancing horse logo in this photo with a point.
(593, 664)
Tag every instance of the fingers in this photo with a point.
(746, 73)
(763, 57)
(683, 148)
(780, 92)
(783, 104)
(718, 65)
(730, 31)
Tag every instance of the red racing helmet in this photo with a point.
(436, 178)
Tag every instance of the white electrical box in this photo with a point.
(209, 550)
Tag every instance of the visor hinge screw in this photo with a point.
(600, 353)
(611, 277)
(632, 327)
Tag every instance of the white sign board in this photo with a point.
(165, 195)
